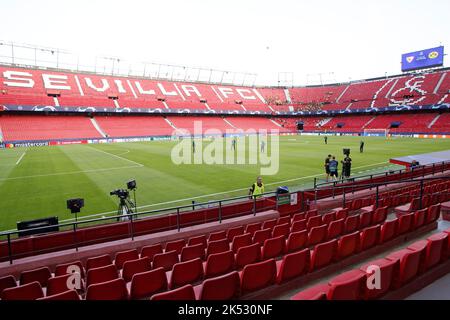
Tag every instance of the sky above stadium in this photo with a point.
(340, 40)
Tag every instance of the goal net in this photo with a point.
(376, 132)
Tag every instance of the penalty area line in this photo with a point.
(20, 159)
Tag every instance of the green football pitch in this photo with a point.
(35, 182)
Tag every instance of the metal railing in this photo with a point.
(131, 219)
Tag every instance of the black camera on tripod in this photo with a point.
(121, 193)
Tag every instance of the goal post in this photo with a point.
(376, 133)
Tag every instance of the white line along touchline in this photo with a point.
(20, 159)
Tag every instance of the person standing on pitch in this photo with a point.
(334, 169)
(361, 146)
(325, 139)
(233, 144)
(327, 166)
(257, 189)
(263, 146)
(193, 145)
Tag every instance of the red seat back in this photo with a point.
(145, 284)
(269, 224)
(111, 290)
(379, 215)
(273, 247)
(369, 237)
(258, 275)
(176, 245)
(224, 287)
(293, 265)
(314, 222)
(388, 270)
(405, 222)
(247, 255)
(97, 262)
(252, 228)
(30, 291)
(70, 267)
(241, 241)
(150, 251)
(348, 245)
(186, 272)
(323, 254)
(419, 218)
(347, 286)
(236, 231)
(217, 246)
(328, 217)
(165, 260)
(130, 268)
(388, 230)
(220, 235)
(101, 274)
(335, 229)
(365, 219)
(262, 235)
(183, 293)
(123, 256)
(198, 240)
(219, 263)
(351, 223)
(281, 230)
(317, 234)
(70, 295)
(40, 275)
(7, 282)
(296, 241)
(192, 252)
(299, 225)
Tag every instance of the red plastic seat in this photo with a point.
(314, 222)
(258, 275)
(342, 214)
(351, 223)
(262, 235)
(198, 240)
(236, 231)
(296, 241)
(192, 252)
(111, 290)
(369, 237)
(433, 213)
(388, 272)
(70, 267)
(240, 241)
(123, 256)
(388, 230)
(409, 265)
(328, 217)
(186, 272)
(247, 255)
(252, 228)
(101, 274)
(7, 282)
(299, 216)
(269, 224)
(380, 215)
(317, 234)
(317, 292)
(150, 251)
(405, 222)
(176, 245)
(284, 220)
(225, 287)
(145, 284)
(299, 225)
(215, 236)
(323, 254)
(70, 295)
(419, 218)
(348, 245)
(40, 275)
(281, 230)
(165, 260)
(347, 286)
(183, 293)
(292, 265)
(273, 247)
(97, 262)
(433, 250)
(217, 246)
(219, 263)
(407, 208)
(365, 219)
(311, 213)
(421, 246)
(30, 291)
(60, 284)
(130, 268)
(335, 229)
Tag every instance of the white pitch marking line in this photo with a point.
(20, 159)
(218, 193)
(69, 172)
(119, 157)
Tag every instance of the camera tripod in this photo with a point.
(125, 208)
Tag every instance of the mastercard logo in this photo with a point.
(433, 55)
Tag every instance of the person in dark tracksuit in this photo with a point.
(361, 146)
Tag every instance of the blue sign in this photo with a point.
(428, 58)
